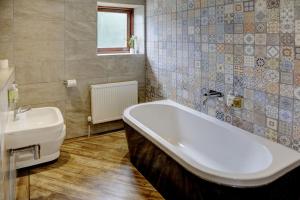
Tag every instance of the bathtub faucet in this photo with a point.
(212, 94)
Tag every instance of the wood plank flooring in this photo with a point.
(88, 169)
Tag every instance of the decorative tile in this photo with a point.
(286, 90)
(285, 116)
(273, 51)
(239, 51)
(261, 27)
(286, 78)
(249, 61)
(238, 18)
(287, 52)
(228, 7)
(238, 28)
(272, 111)
(273, 14)
(228, 119)
(260, 5)
(272, 88)
(297, 40)
(228, 78)
(249, 27)
(271, 135)
(249, 94)
(286, 65)
(238, 39)
(297, 53)
(297, 93)
(273, 63)
(297, 26)
(285, 128)
(272, 123)
(260, 62)
(286, 103)
(249, 50)
(260, 51)
(271, 76)
(220, 115)
(273, 4)
(285, 140)
(246, 47)
(238, 7)
(259, 119)
(229, 38)
(287, 39)
(296, 132)
(297, 105)
(228, 28)
(295, 144)
(297, 79)
(260, 16)
(248, 6)
(248, 104)
(228, 18)
(228, 49)
(272, 100)
(273, 27)
(228, 59)
(287, 18)
(273, 39)
(260, 39)
(249, 38)
(259, 130)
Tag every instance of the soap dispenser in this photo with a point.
(13, 94)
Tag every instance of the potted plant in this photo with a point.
(131, 44)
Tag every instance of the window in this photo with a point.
(115, 27)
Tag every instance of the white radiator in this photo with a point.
(109, 100)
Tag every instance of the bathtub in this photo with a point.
(167, 139)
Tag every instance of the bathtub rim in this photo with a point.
(280, 153)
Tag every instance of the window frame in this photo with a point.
(130, 28)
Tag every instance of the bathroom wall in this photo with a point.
(54, 40)
(6, 79)
(249, 48)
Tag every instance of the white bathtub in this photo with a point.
(211, 149)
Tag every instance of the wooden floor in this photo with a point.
(88, 169)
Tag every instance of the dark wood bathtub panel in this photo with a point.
(175, 182)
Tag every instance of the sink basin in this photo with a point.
(36, 126)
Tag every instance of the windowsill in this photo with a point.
(118, 54)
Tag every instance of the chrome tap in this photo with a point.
(212, 94)
(18, 110)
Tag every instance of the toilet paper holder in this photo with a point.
(70, 83)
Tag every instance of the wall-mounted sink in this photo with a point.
(36, 126)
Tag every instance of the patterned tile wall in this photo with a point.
(246, 47)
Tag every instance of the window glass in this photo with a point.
(112, 30)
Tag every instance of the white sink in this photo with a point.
(36, 126)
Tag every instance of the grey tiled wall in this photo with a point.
(246, 47)
(49, 41)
